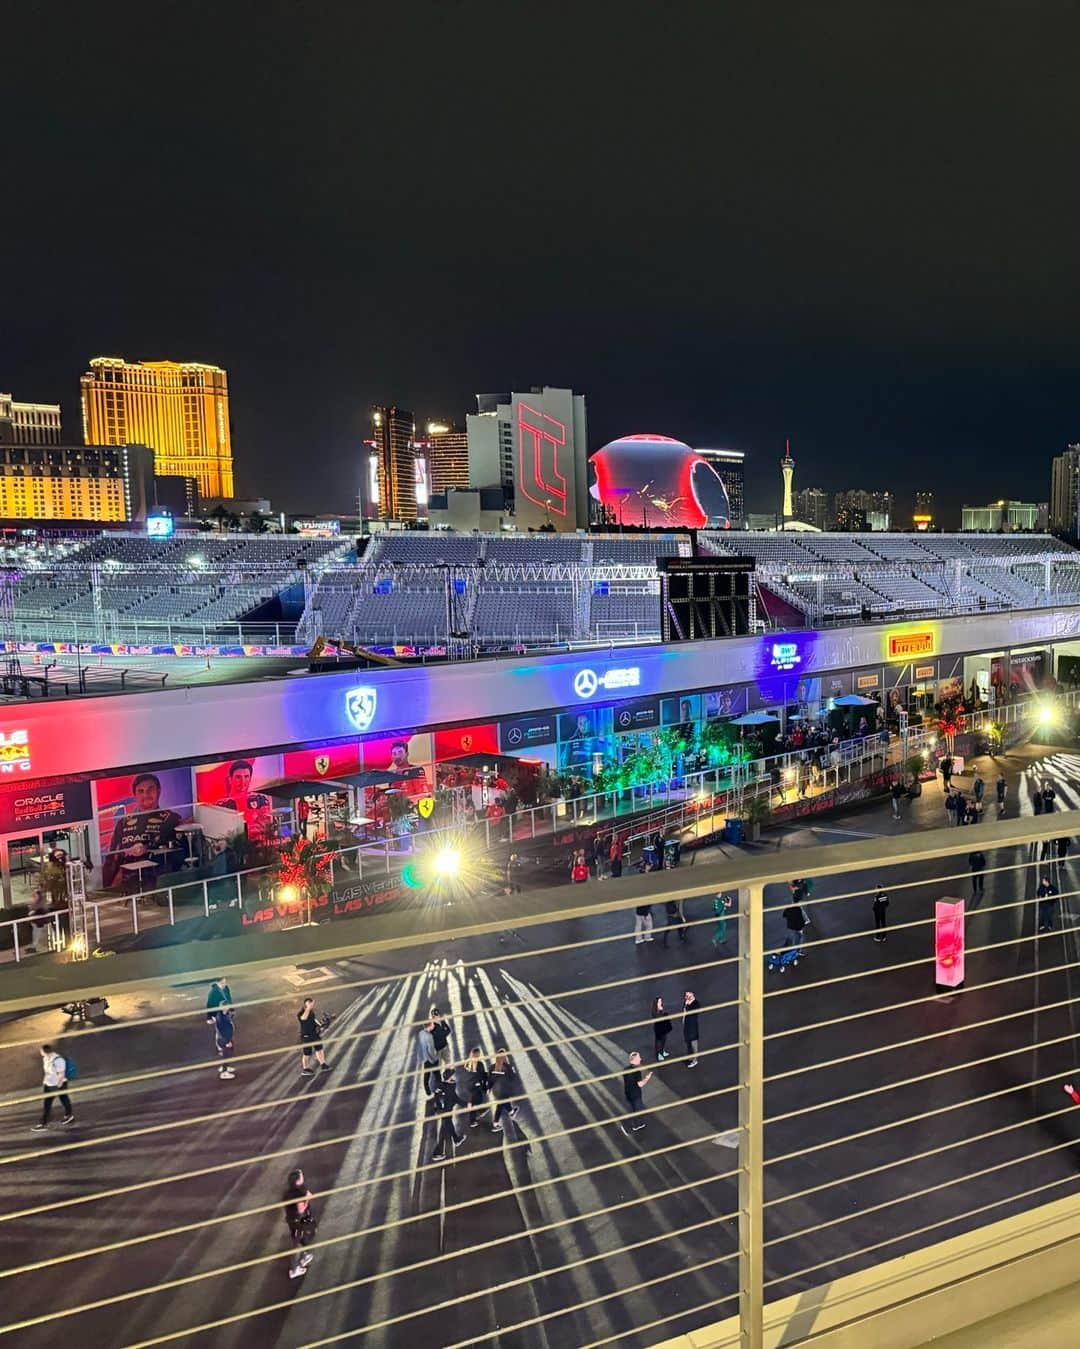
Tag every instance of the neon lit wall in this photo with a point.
(660, 483)
(550, 460)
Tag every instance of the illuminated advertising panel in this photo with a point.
(659, 483)
(910, 645)
(160, 526)
(949, 943)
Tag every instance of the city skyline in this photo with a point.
(839, 299)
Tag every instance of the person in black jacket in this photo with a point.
(440, 1033)
(475, 1085)
(674, 918)
(661, 1028)
(504, 1078)
(881, 913)
(691, 1008)
(977, 863)
(445, 1105)
(310, 1044)
(795, 918)
(300, 1218)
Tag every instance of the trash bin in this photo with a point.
(649, 857)
(733, 830)
(672, 852)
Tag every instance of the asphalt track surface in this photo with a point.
(566, 1211)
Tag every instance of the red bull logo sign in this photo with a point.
(14, 752)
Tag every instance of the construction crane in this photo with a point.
(360, 652)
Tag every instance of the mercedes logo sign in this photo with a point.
(625, 718)
(513, 736)
(586, 683)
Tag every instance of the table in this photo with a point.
(189, 831)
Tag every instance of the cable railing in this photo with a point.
(570, 1220)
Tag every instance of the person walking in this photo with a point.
(643, 924)
(476, 1083)
(661, 1028)
(54, 1084)
(301, 1222)
(978, 788)
(1047, 895)
(795, 918)
(722, 906)
(504, 1078)
(440, 1033)
(881, 913)
(310, 1045)
(977, 863)
(657, 842)
(634, 1083)
(512, 877)
(445, 1105)
(897, 795)
(427, 1056)
(946, 767)
(1000, 787)
(690, 1027)
(673, 918)
(221, 1016)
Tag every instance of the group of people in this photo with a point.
(481, 1087)
(636, 1079)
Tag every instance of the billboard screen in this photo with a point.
(659, 483)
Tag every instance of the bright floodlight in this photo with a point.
(289, 893)
(1046, 714)
(446, 863)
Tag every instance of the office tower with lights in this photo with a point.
(923, 515)
(812, 507)
(392, 465)
(730, 468)
(535, 446)
(447, 449)
(179, 408)
(1065, 492)
(28, 423)
(876, 508)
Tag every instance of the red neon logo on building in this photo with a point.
(540, 438)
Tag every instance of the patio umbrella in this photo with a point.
(379, 777)
(853, 700)
(753, 719)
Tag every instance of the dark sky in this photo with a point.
(852, 224)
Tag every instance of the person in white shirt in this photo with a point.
(54, 1081)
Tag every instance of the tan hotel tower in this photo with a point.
(179, 409)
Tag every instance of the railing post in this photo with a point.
(751, 1122)
(239, 891)
(386, 849)
(15, 935)
(172, 915)
(97, 924)
(135, 914)
(205, 900)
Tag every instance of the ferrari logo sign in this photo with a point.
(466, 743)
(425, 805)
(322, 764)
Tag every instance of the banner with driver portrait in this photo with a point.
(138, 815)
(235, 784)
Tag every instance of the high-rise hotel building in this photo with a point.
(179, 408)
(392, 449)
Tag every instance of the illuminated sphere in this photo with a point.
(658, 482)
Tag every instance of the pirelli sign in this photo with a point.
(909, 645)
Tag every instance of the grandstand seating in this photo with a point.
(535, 589)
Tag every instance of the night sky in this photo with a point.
(852, 224)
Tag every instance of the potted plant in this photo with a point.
(915, 763)
(756, 812)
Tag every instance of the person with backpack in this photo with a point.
(57, 1072)
(503, 1076)
(301, 1222)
